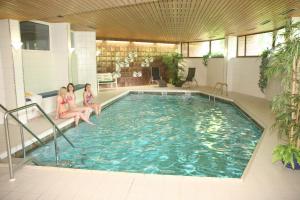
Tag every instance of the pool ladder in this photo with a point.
(187, 94)
(212, 97)
(23, 126)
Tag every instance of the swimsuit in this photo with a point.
(63, 102)
(69, 98)
(62, 113)
(89, 99)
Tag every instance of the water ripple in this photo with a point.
(163, 135)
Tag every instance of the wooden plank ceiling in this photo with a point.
(160, 20)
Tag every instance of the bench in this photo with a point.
(106, 78)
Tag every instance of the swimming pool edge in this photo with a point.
(67, 125)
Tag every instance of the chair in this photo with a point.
(190, 77)
(155, 74)
(106, 78)
(155, 77)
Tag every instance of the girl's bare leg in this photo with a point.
(88, 112)
(98, 108)
(95, 108)
(84, 118)
(70, 115)
(77, 117)
(85, 110)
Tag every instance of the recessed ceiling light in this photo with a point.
(287, 11)
(265, 22)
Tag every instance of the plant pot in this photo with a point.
(296, 164)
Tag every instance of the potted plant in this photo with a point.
(285, 63)
(174, 67)
(211, 55)
(205, 59)
(263, 79)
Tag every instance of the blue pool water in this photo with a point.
(171, 134)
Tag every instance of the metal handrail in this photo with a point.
(52, 122)
(219, 87)
(45, 115)
(214, 98)
(23, 125)
(8, 146)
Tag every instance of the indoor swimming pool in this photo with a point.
(161, 134)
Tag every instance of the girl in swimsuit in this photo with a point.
(63, 113)
(88, 99)
(72, 102)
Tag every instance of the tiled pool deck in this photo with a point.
(261, 180)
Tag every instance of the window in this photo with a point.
(217, 47)
(241, 46)
(279, 37)
(34, 36)
(198, 49)
(254, 45)
(184, 49)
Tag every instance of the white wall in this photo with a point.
(7, 64)
(201, 70)
(206, 75)
(243, 76)
(273, 88)
(2, 88)
(215, 71)
(12, 94)
(39, 74)
(48, 70)
(84, 57)
(61, 43)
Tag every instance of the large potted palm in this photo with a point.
(174, 67)
(284, 63)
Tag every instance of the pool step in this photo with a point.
(61, 163)
(19, 162)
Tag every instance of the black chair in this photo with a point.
(155, 77)
(155, 74)
(191, 77)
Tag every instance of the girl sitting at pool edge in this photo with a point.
(62, 112)
(88, 97)
(72, 102)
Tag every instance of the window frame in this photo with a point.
(211, 46)
(188, 47)
(245, 48)
(39, 23)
